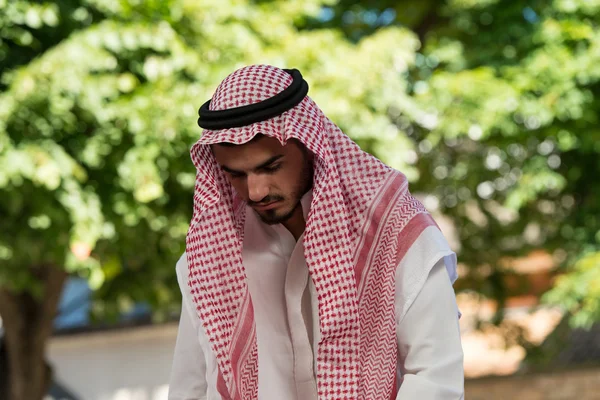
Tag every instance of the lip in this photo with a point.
(267, 206)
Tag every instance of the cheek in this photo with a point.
(289, 183)
(239, 185)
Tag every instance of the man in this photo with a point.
(310, 271)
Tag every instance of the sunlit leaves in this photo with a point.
(589, 7)
(579, 291)
(96, 126)
(490, 108)
(513, 102)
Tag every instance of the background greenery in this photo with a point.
(490, 107)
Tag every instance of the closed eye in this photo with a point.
(272, 168)
(269, 166)
(268, 170)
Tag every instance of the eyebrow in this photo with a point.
(257, 168)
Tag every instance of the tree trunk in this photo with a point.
(28, 322)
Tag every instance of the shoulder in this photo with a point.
(426, 249)
(429, 248)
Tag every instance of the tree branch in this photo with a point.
(426, 24)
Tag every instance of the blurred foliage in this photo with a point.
(505, 99)
(98, 112)
(579, 291)
(513, 136)
(489, 107)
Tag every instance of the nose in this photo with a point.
(258, 188)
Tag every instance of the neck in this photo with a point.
(296, 223)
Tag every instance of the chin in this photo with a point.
(277, 216)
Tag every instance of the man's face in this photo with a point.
(271, 178)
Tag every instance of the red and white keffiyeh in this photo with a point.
(362, 220)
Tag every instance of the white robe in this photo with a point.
(430, 357)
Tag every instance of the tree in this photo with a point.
(503, 113)
(508, 131)
(489, 107)
(97, 115)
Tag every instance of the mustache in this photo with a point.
(266, 200)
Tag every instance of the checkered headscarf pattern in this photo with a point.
(350, 191)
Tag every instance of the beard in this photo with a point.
(290, 204)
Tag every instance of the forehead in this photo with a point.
(253, 153)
